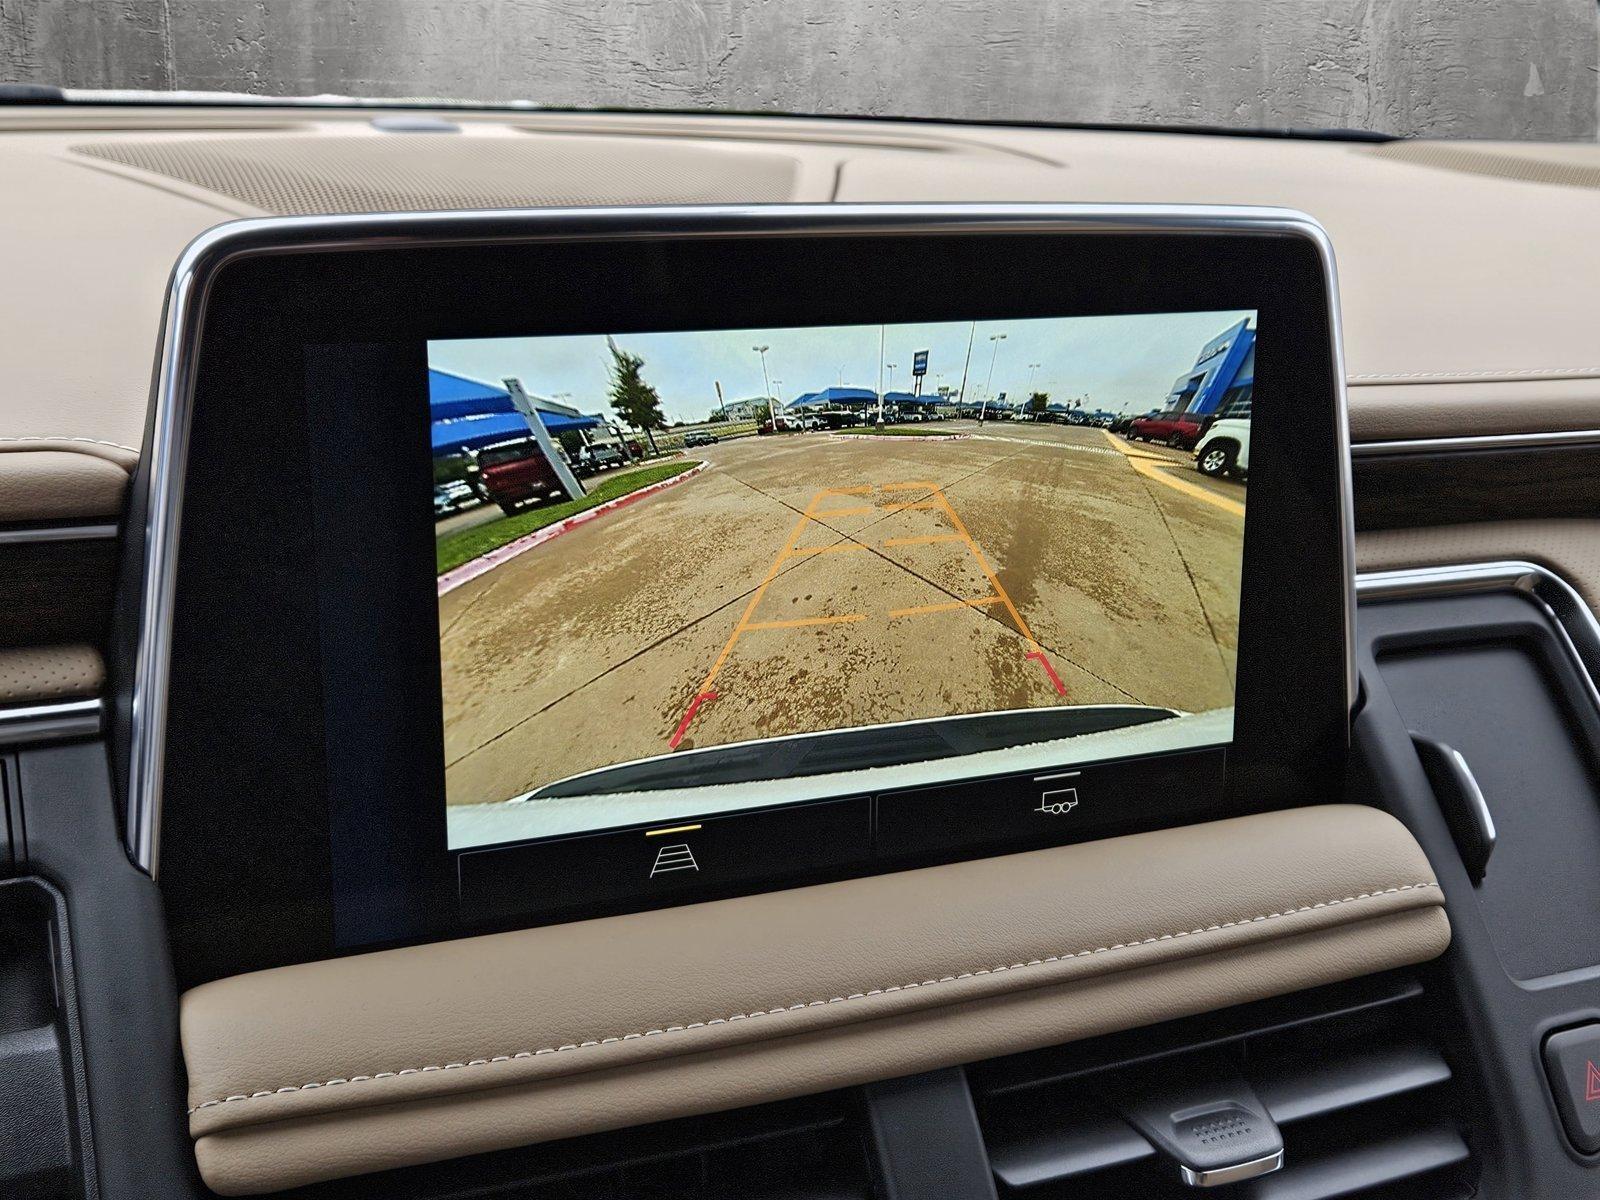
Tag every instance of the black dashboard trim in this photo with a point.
(158, 491)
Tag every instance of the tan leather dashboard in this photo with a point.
(407, 1056)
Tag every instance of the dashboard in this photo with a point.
(632, 691)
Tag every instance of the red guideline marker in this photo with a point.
(1055, 680)
(694, 707)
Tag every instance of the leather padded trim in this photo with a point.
(38, 674)
(1568, 546)
(58, 484)
(406, 1056)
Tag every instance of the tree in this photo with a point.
(635, 401)
(1037, 402)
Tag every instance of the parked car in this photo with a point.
(515, 473)
(699, 437)
(600, 456)
(1180, 430)
(1224, 449)
(452, 497)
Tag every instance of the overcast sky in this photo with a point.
(1124, 363)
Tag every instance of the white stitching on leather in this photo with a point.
(804, 1004)
(88, 440)
(1528, 373)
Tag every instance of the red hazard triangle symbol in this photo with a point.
(1591, 1083)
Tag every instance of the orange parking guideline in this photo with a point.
(994, 580)
(937, 501)
(1036, 652)
(798, 622)
(704, 695)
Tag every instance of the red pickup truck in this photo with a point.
(1179, 430)
(515, 473)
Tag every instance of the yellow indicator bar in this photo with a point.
(674, 829)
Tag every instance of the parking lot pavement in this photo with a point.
(808, 582)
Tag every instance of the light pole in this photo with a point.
(961, 396)
(1032, 367)
(771, 413)
(988, 388)
(881, 332)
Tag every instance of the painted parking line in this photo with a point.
(1153, 467)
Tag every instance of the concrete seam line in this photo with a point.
(806, 1004)
(489, 560)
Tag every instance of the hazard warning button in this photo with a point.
(1572, 1060)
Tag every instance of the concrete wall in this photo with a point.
(1482, 68)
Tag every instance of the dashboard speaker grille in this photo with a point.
(1569, 166)
(300, 175)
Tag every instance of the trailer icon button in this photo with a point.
(1058, 803)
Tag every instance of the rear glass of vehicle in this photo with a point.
(500, 455)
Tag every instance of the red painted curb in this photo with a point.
(484, 563)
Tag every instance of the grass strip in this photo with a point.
(465, 545)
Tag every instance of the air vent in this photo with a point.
(810, 1149)
(431, 172)
(1361, 1095)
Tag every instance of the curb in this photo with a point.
(484, 563)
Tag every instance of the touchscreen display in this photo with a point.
(686, 573)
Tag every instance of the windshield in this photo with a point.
(1517, 70)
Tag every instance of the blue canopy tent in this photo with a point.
(836, 397)
(467, 414)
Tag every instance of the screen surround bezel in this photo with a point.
(204, 275)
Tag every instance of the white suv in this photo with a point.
(1225, 449)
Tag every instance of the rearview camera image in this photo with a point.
(688, 573)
